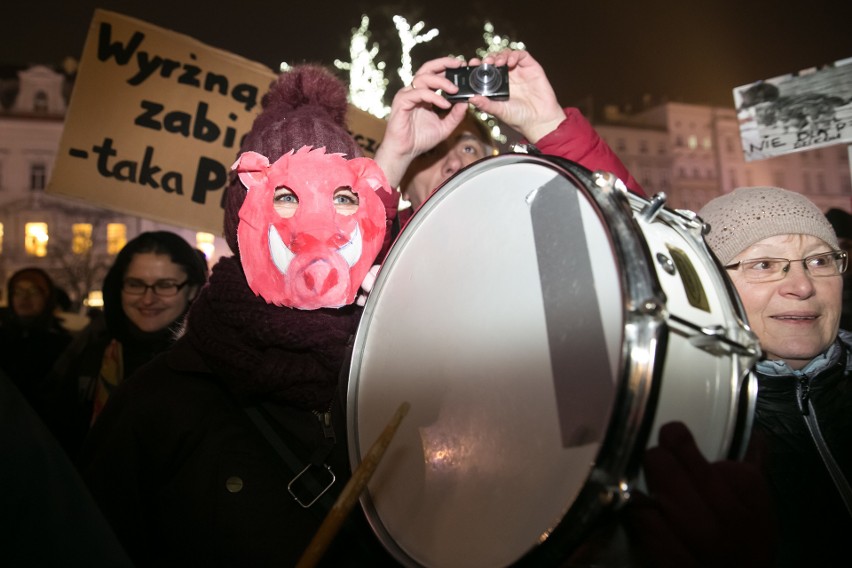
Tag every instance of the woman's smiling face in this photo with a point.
(148, 311)
(795, 318)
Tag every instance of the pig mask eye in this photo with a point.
(345, 201)
(285, 202)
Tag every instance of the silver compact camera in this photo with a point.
(486, 80)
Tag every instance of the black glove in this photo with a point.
(699, 513)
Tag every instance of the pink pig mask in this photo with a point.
(310, 227)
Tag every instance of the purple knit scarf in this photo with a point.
(266, 352)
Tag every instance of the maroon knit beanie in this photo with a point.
(305, 106)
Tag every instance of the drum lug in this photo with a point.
(530, 149)
(653, 307)
(608, 181)
(692, 220)
(615, 495)
(666, 263)
(653, 208)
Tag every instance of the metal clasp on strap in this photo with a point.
(311, 484)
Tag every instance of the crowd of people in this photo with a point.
(207, 415)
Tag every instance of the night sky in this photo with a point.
(614, 51)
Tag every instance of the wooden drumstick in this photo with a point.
(351, 491)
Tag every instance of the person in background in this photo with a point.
(841, 222)
(47, 516)
(31, 336)
(787, 266)
(147, 293)
(428, 138)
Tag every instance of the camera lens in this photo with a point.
(485, 79)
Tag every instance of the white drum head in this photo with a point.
(499, 316)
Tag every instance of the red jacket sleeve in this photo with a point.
(575, 139)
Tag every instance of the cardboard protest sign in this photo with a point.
(155, 123)
(795, 112)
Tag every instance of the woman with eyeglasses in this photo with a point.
(147, 293)
(783, 257)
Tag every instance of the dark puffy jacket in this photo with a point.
(796, 414)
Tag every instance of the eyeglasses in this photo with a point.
(164, 288)
(772, 269)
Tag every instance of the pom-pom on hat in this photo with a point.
(750, 214)
(305, 106)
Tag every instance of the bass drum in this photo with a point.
(543, 324)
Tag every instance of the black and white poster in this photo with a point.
(796, 112)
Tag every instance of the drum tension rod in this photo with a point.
(650, 211)
(716, 332)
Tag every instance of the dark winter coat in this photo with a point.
(27, 352)
(186, 478)
(814, 523)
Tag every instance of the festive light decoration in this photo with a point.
(495, 42)
(410, 37)
(367, 82)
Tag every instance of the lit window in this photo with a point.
(81, 238)
(40, 102)
(35, 239)
(116, 237)
(38, 177)
(1, 238)
(206, 243)
(707, 143)
(95, 299)
(692, 142)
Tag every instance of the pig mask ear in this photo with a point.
(252, 168)
(369, 173)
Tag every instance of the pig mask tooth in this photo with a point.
(281, 255)
(351, 251)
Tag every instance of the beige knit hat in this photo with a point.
(750, 214)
